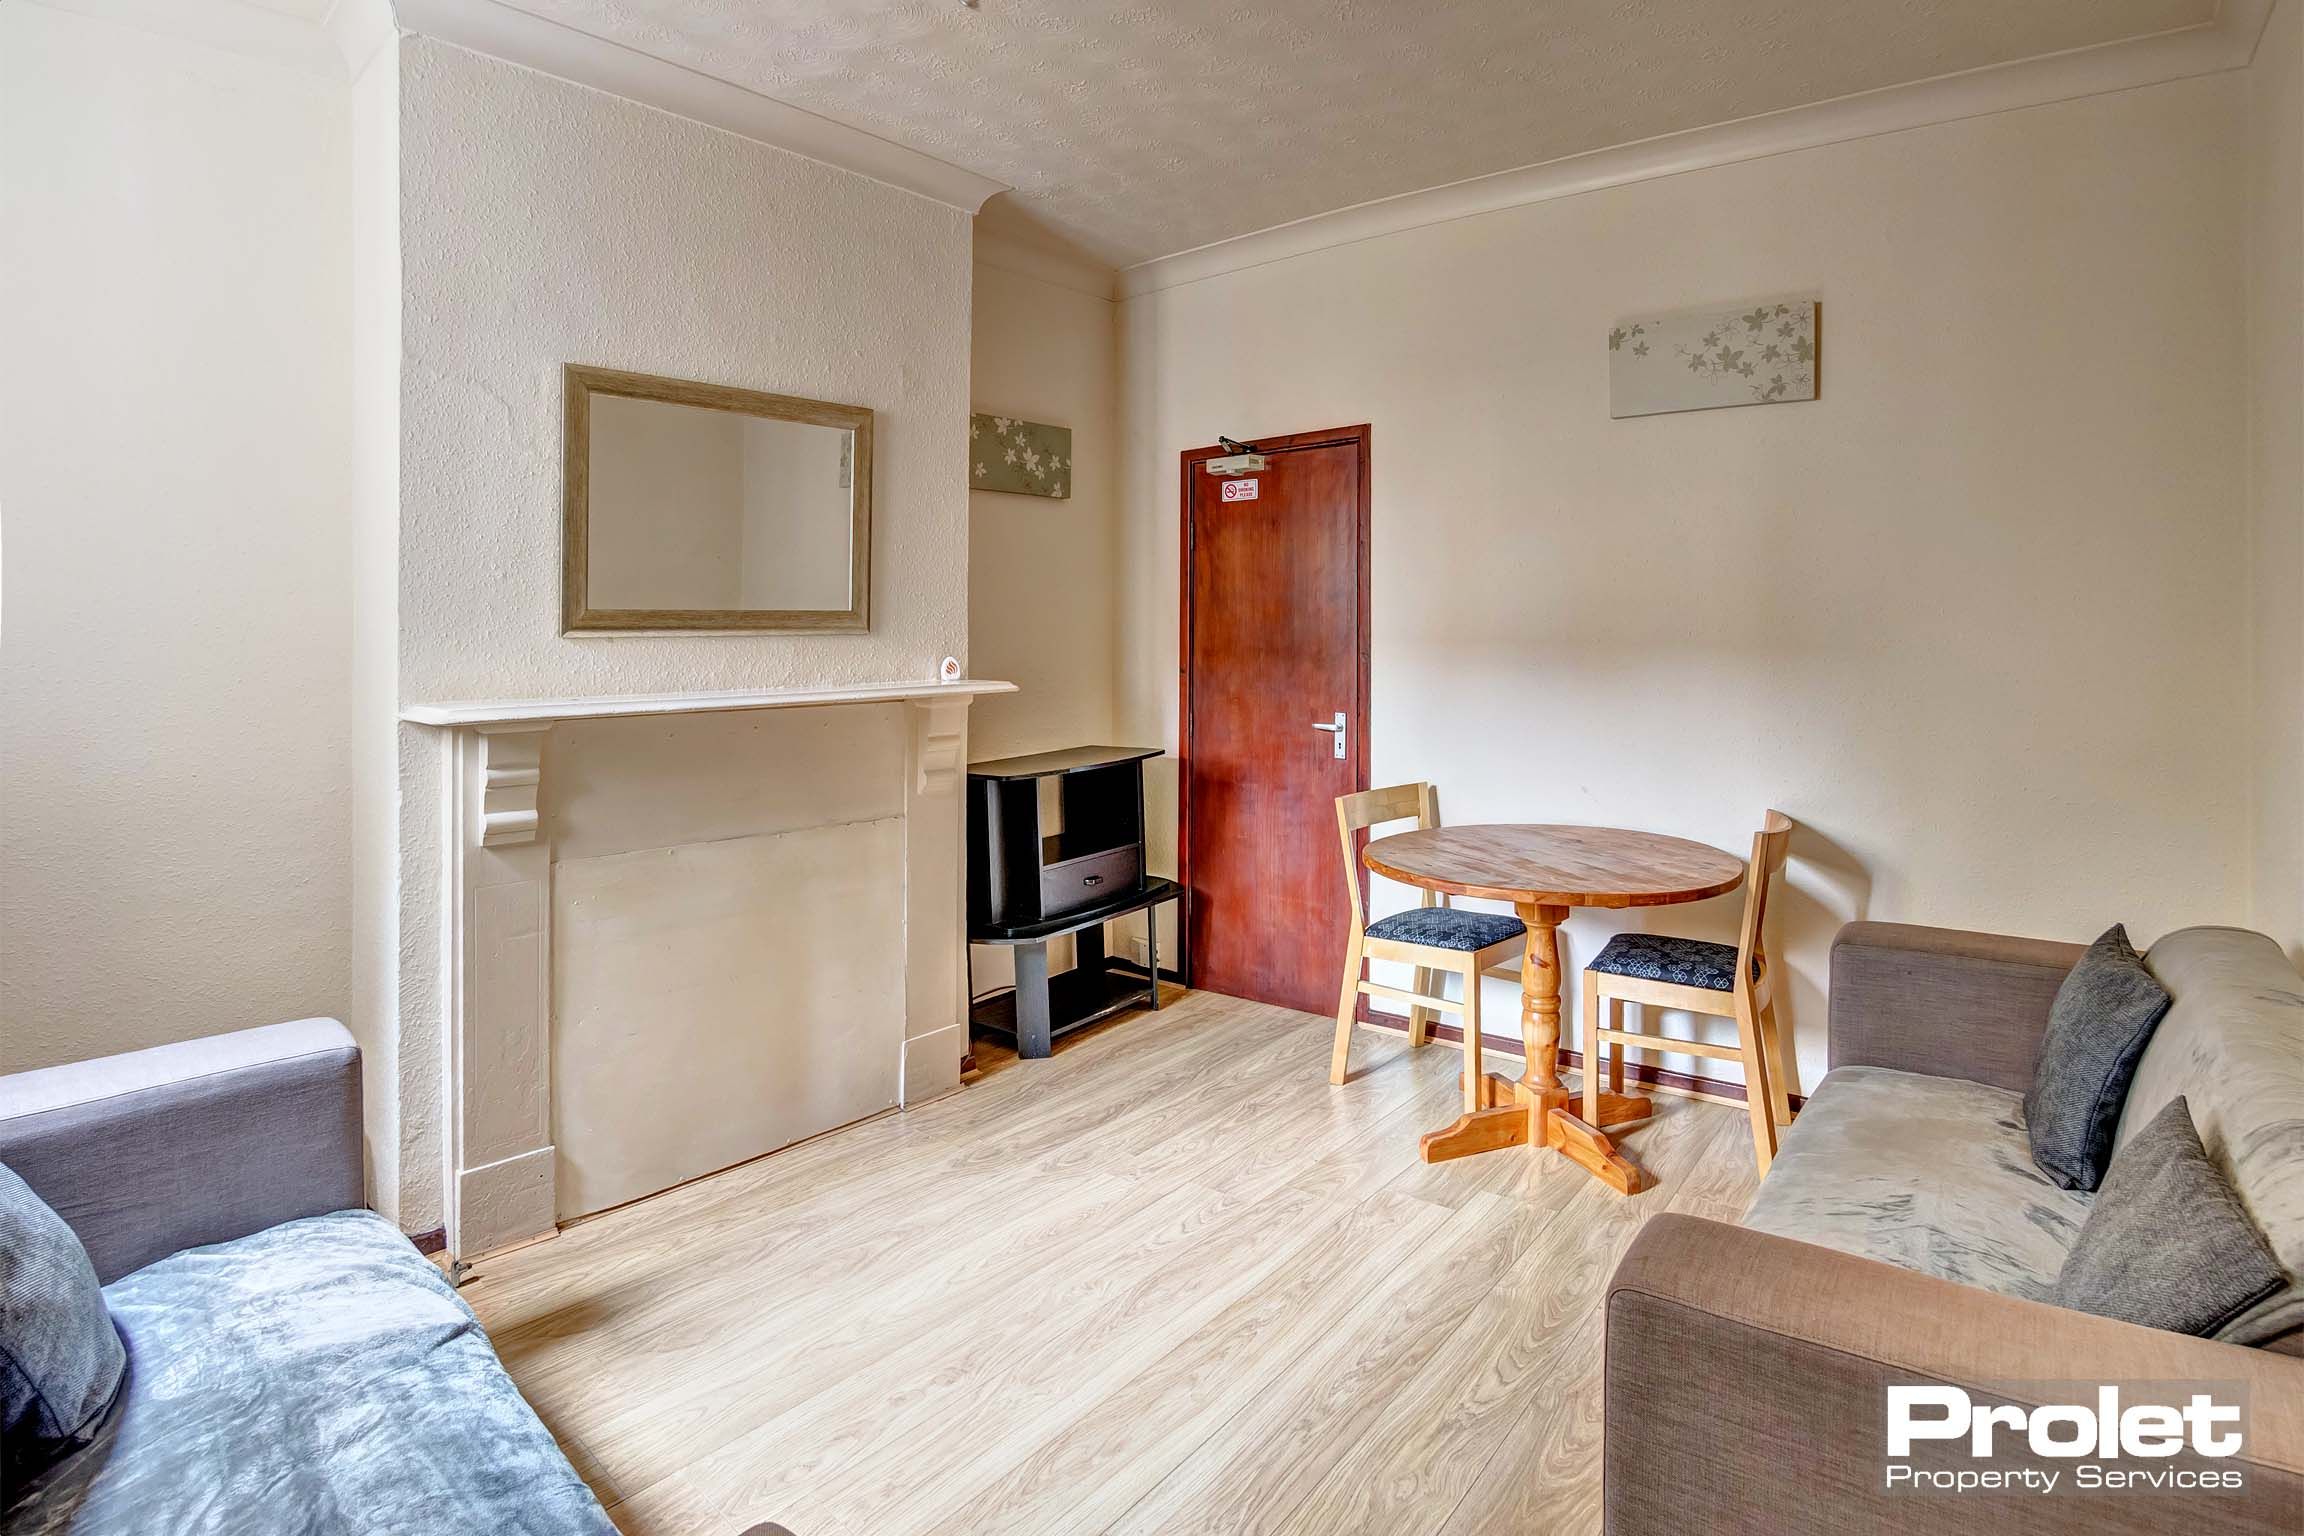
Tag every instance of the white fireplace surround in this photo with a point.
(497, 927)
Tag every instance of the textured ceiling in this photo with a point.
(1139, 129)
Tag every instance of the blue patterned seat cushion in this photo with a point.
(319, 1378)
(1661, 957)
(1447, 928)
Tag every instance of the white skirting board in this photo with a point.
(505, 1202)
(714, 1001)
(932, 1064)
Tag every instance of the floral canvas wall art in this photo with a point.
(1758, 353)
(1024, 457)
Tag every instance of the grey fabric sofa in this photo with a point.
(294, 1364)
(1903, 1236)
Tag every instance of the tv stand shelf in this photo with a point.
(1042, 1009)
(1056, 847)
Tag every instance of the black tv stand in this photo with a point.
(1028, 884)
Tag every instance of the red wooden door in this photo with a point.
(1275, 610)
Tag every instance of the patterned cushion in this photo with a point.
(1447, 928)
(2233, 1046)
(1660, 957)
(1927, 1173)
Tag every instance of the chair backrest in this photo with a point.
(1373, 808)
(1769, 846)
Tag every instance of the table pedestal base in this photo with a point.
(1499, 1122)
(1582, 1144)
(1512, 1114)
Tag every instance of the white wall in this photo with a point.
(543, 223)
(1988, 628)
(395, 1127)
(2275, 85)
(1970, 617)
(1044, 575)
(175, 311)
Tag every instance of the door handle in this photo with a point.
(1336, 728)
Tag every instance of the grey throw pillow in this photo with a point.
(60, 1358)
(2103, 1018)
(2168, 1243)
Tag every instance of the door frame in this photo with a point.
(1189, 463)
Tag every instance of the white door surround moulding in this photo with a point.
(2228, 42)
(515, 36)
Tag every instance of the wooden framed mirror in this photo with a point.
(699, 508)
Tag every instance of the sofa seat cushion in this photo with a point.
(1447, 928)
(319, 1378)
(1927, 1173)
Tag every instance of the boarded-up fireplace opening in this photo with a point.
(727, 939)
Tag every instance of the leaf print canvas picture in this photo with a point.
(1762, 352)
(1027, 458)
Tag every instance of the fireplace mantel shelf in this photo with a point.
(543, 711)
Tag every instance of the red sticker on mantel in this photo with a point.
(1239, 490)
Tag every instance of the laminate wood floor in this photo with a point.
(1169, 1281)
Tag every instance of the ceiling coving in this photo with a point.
(1135, 130)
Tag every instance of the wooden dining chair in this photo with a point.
(1697, 976)
(1434, 938)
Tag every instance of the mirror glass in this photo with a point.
(700, 507)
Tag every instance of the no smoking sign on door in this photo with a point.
(1239, 490)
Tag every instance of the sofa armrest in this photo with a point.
(1747, 1382)
(154, 1151)
(1943, 1001)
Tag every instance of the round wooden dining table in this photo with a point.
(1545, 872)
